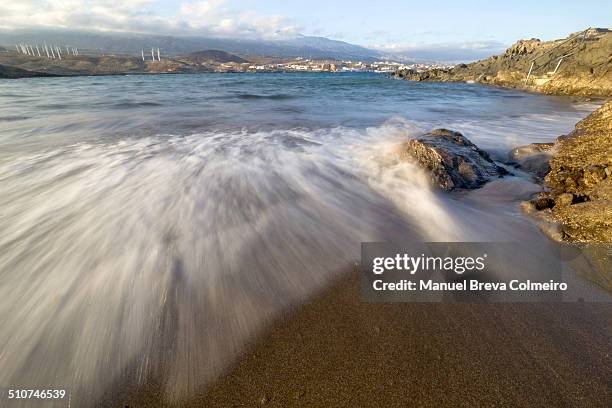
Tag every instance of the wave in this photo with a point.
(168, 253)
(169, 246)
(128, 105)
(279, 97)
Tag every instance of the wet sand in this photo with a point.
(337, 351)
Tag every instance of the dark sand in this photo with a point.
(339, 352)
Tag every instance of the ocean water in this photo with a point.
(152, 225)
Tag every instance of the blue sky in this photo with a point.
(390, 25)
(396, 22)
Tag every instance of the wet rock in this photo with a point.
(436, 74)
(563, 200)
(532, 158)
(452, 161)
(542, 202)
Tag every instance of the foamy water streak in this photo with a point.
(114, 253)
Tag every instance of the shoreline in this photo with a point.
(37, 74)
(337, 350)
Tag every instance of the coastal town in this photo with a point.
(308, 65)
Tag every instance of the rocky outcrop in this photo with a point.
(452, 161)
(522, 47)
(13, 73)
(578, 65)
(580, 181)
(533, 158)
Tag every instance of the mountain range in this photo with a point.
(128, 43)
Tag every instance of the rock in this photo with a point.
(533, 158)
(564, 200)
(452, 160)
(524, 152)
(580, 180)
(553, 230)
(429, 75)
(585, 222)
(12, 72)
(580, 162)
(542, 202)
(522, 47)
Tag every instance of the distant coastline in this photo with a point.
(24, 64)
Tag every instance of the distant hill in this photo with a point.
(217, 56)
(128, 43)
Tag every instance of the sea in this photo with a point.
(152, 225)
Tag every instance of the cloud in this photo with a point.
(197, 17)
(451, 52)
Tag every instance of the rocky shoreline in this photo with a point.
(575, 173)
(576, 170)
(579, 65)
(577, 202)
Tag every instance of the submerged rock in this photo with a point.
(532, 158)
(452, 160)
(580, 180)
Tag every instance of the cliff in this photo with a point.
(580, 64)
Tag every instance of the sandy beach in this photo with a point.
(339, 351)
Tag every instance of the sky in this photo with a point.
(486, 26)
